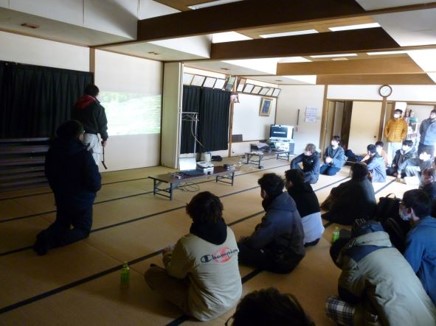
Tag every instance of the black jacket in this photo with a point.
(311, 166)
(72, 173)
(91, 114)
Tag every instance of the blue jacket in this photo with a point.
(421, 253)
(281, 232)
(428, 132)
(338, 156)
(72, 173)
(377, 168)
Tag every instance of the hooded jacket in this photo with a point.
(421, 253)
(91, 114)
(280, 234)
(379, 281)
(311, 166)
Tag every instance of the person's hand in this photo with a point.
(328, 159)
(103, 143)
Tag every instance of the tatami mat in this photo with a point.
(79, 284)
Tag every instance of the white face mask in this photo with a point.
(404, 216)
(396, 115)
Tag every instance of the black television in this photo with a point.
(280, 132)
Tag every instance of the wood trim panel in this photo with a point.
(409, 79)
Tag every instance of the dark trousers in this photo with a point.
(72, 224)
(261, 259)
(327, 169)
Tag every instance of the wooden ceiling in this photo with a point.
(258, 17)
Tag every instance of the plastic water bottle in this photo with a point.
(125, 275)
(335, 235)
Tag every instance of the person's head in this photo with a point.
(428, 176)
(359, 171)
(336, 140)
(271, 185)
(397, 113)
(371, 149)
(379, 147)
(92, 90)
(407, 145)
(424, 156)
(411, 113)
(294, 177)
(433, 114)
(70, 129)
(269, 307)
(205, 207)
(309, 149)
(415, 205)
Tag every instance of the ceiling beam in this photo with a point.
(398, 65)
(363, 40)
(243, 14)
(409, 79)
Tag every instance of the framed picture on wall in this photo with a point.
(276, 92)
(256, 89)
(241, 84)
(248, 88)
(264, 90)
(265, 106)
(209, 82)
(198, 80)
(219, 83)
(187, 79)
(229, 83)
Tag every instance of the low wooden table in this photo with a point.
(256, 157)
(173, 180)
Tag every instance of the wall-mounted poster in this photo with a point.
(265, 106)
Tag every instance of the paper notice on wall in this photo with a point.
(310, 114)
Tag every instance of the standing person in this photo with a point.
(421, 239)
(427, 131)
(351, 199)
(377, 286)
(74, 179)
(376, 165)
(201, 274)
(91, 114)
(276, 244)
(311, 163)
(307, 205)
(395, 132)
(334, 157)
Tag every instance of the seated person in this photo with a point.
(311, 163)
(352, 199)
(201, 274)
(380, 151)
(269, 307)
(376, 165)
(428, 182)
(377, 285)
(414, 166)
(276, 244)
(334, 157)
(421, 240)
(307, 205)
(403, 154)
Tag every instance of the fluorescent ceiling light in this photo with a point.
(339, 59)
(228, 37)
(265, 65)
(293, 60)
(292, 33)
(386, 52)
(334, 55)
(351, 27)
(211, 4)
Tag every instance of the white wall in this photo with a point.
(29, 50)
(303, 98)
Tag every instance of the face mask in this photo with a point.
(396, 116)
(404, 216)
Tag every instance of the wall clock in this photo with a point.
(385, 90)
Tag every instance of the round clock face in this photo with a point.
(385, 90)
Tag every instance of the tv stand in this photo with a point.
(284, 145)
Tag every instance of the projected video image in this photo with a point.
(131, 114)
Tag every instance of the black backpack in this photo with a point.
(387, 207)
